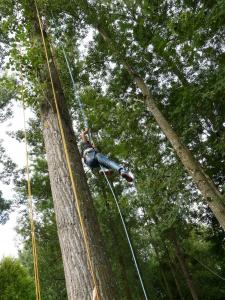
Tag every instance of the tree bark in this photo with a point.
(77, 273)
(183, 266)
(211, 194)
(173, 271)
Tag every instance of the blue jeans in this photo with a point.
(95, 159)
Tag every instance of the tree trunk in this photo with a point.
(183, 266)
(167, 287)
(213, 197)
(156, 249)
(116, 240)
(173, 271)
(79, 282)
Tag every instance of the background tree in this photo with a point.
(182, 61)
(15, 282)
(110, 37)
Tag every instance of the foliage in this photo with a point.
(177, 47)
(4, 209)
(15, 283)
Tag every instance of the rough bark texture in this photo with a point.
(183, 267)
(214, 198)
(78, 279)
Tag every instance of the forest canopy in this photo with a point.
(150, 76)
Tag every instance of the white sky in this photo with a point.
(16, 151)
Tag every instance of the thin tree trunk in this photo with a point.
(208, 189)
(156, 249)
(79, 282)
(167, 287)
(172, 268)
(116, 240)
(166, 283)
(183, 266)
(211, 194)
(173, 271)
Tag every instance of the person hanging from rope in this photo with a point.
(94, 159)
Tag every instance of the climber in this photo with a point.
(94, 159)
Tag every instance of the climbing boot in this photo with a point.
(127, 175)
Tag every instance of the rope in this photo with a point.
(108, 182)
(85, 120)
(78, 204)
(207, 268)
(76, 97)
(126, 233)
(74, 89)
(30, 197)
(30, 207)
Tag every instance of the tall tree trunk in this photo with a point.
(213, 197)
(167, 287)
(157, 252)
(79, 282)
(183, 266)
(169, 293)
(173, 271)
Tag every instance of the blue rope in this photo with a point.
(74, 90)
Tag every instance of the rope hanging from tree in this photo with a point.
(30, 206)
(29, 193)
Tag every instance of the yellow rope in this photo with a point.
(76, 196)
(30, 207)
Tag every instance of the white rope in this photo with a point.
(127, 234)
